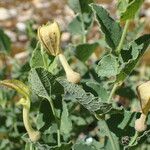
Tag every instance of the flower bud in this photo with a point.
(49, 36)
(144, 96)
(140, 124)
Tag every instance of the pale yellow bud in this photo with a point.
(49, 36)
(144, 96)
(140, 124)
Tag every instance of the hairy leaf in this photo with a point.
(93, 104)
(45, 117)
(107, 66)
(99, 89)
(122, 5)
(83, 21)
(64, 146)
(131, 9)
(109, 26)
(94, 145)
(5, 42)
(66, 124)
(80, 6)
(131, 63)
(84, 51)
(111, 137)
(43, 83)
(75, 26)
(36, 59)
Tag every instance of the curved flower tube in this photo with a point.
(33, 134)
(25, 102)
(49, 36)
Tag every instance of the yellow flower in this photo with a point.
(144, 96)
(49, 36)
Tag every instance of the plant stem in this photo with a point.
(51, 102)
(83, 30)
(112, 92)
(83, 27)
(57, 121)
(58, 138)
(119, 47)
(134, 138)
(108, 132)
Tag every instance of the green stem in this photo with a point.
(57, 121)
(58, 138)
(108, 132)
(51, 102)
(84, 35)
(43, 58)
(119, 47)
(83, 27)
(112, 92)
(133, 140)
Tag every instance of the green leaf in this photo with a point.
(45, 117)
(80, 6)
(83, 146)
(108, 144)
(43, 83)
(75, 26)
(64, 146)
(107, 66)
(75, 5)
(93, 104)
(66, 124)
(131, 63)
(112, 139)
(84, 51)
(36, 58)
(122, 5)
(78, 120)
(99, 89)
(131, 9)
(109, 26)
(131, 51)
(17, 85)
(83, 21)
(5, 42)
(93, 145)
(80, 25)
(29, 146)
